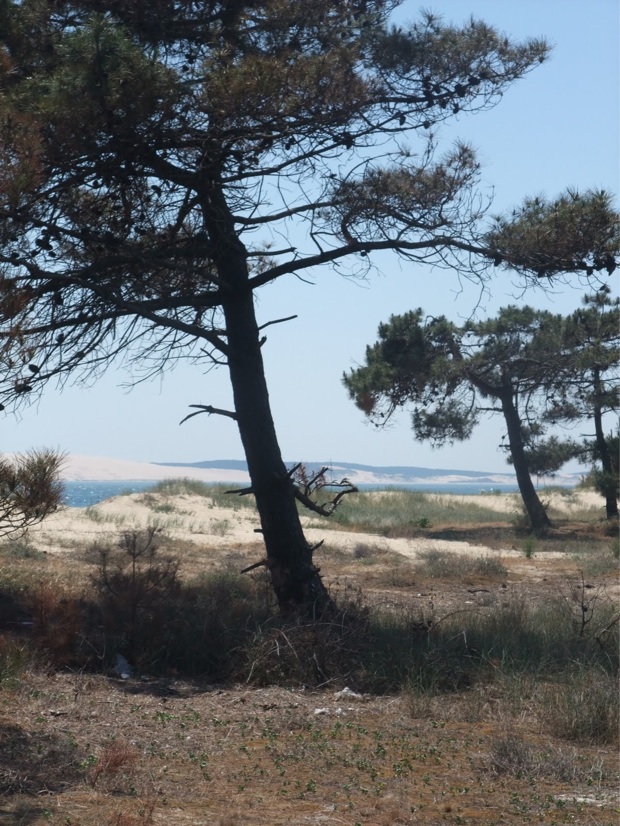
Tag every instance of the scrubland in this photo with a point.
(470, 677)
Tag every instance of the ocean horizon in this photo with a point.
(83, 494)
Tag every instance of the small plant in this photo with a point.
(529, 543)
(93, 514)
(15, 658)
(511, 755)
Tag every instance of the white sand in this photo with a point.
(103, 469)
(198, 520)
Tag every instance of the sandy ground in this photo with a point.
(196, 519)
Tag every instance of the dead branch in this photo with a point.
(277, 321)
(207, 408)
(306, 487)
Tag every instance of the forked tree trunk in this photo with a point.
(537, 515)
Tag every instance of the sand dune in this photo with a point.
(103, 469)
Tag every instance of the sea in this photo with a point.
(83, 494)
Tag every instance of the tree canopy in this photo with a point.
(453, 375)
(573, 233)
(587, 386)
(155, 156)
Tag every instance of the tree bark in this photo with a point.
(295, 579)
(537, 515)
(611, 501)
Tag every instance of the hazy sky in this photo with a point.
(558, 127)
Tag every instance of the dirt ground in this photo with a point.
(82, 749)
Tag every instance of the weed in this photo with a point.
(15, 658)
(155, 504)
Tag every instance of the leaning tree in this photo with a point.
(451, 376)
(156, 155)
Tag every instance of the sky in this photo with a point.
(556, 128)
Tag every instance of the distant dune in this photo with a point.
(99, 468)
(103, 469)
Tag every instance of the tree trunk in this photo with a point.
(295, 578)
(611, 501)
(539, 521)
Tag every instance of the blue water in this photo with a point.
(83, 494)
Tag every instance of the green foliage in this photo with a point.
(30, 489)
(221, 495)
(573, 233)
(545, 457)
(150, 154)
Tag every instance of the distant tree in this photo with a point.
(156, 154)
(453, 375)
(587, 385)
(30, 489)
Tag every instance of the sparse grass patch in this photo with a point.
(368, 551)
(448, 565)
(403, 512)
(93, 513)
(597, 559)
(22, 548)
(219, 527)
(512, 755)
(584, 707)
(224, 496)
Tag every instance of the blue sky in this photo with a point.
(558, 127)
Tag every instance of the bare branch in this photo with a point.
(209, 410)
